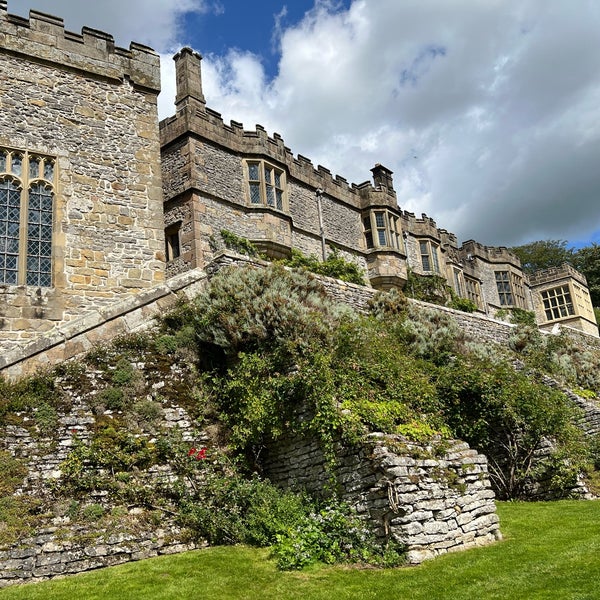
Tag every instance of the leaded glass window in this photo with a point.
(266, 184)
(558, 303)
(429, 256)
(504, 288)
(26, 218)
(382, 230)
(10, 215)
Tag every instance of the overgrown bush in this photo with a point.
(274, 309)
(509, 417)
(333, 534)
(335, 265)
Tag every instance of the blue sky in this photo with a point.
(487, 111)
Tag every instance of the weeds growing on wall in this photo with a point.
(335, 265)
(264, 352)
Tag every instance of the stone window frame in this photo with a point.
(505, 294)
(266, 184)
(511, 291)
(473, 290)
(382, 230)
(429, 253)
(173, 241)
(558, 302)
(459, 282)
(29, 260)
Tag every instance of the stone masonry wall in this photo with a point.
(60, 547)
(102, 325)
(434, 498)
(91, 107)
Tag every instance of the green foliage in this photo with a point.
(587, 261)
(124, 373)
(333, 534)
(427, 288)
(112, 398)
(508, 416)
(543, 254)
(238, 244)
(463, 304)
(92, 512)
(245, 309)
(12, 472)
(392, 303)
(431, 334)
(18, 518)
(520, 316)
(334, 266)
(28, 394)
(99, 465)
(228, 508)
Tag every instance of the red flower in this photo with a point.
(201, 454)
(192, 451)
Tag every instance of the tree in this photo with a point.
(543, 254)
(587, 260)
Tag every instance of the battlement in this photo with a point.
(492, 254)
(43, 38)
(208, 124)
(194, 119)
(555, 274)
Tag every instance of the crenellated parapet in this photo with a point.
(555, 274)
(208, 125)
(491, 254)
(43, 38)
(426, 227)
(194, 119)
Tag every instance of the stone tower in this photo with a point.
(81, 221)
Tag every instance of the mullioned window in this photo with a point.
(266, 184)
(26, 217)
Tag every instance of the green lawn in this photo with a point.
(550, 550)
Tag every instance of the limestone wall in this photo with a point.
(102, 325)
(434, 498)
(90, 107)
(48, 554)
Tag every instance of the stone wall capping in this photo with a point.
(91, 52)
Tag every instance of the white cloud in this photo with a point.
(156, 23)
(488, 111)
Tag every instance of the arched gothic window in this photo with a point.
(26, 218)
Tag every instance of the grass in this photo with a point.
(551, 550)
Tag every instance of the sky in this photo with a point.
(487, 111)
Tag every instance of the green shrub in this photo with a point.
(112, 398)
(247, 308)
(430, 334)
(333, 534)
(222, 506)
(427, 288)
(463, 304)
(238, 244)
(12, 473)
(392, 303)
(92, 512)
(333, 266)
(508, 416)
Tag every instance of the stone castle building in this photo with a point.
(98, 201)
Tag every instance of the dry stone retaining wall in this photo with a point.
(433, 498)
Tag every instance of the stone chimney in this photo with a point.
(382, 176)
(189, 80)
